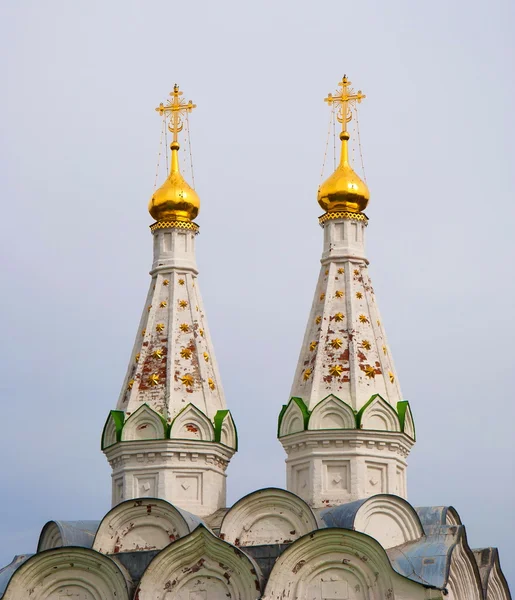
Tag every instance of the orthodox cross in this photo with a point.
(345, 95)
(175, 107)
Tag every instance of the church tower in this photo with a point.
(171, 435)
(346, 430)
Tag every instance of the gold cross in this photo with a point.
(345, 95)
(176, 106)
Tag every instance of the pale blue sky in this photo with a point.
(77, 165)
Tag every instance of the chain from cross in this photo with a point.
(344, 97)
(175, 107)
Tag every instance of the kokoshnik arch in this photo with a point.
(343, 529)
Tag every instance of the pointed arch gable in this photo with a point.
(378, 415)
(192, 423)
(69, 571)
(463, 580)
(225, 429)
(406, 419)
(267, 516)
(497, 586)
(293, 418)
(138, 525)
(112, 428)
(144, 424)
(201, 565)
(337, 561)
(332, 413)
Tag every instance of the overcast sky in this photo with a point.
(77, 165)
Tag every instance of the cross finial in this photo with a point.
(344, 99)
(176, 107)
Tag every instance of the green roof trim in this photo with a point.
(303, 409)
(218, 422)
(403, 408)
(118, 417)
(361, 412)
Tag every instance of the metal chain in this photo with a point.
(163, 129)
(189, 147)
(359, 145)
(326, 147)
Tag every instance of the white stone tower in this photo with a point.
(171, 435)
(346, 430)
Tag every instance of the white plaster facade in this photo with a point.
(331, 467)
(172, 394)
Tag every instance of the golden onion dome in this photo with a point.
(175, 200)
(343, 190)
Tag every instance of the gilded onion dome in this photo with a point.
(344, 190)
(175, 200)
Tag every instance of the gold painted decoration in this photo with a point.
(186, 353)
(363, 319)
(149, 308)
(341, 271)
(384, 349)
(153, 379)
(327, 271)
(306, 375)
(322, 296)
(163, 304)
(366, 344)
(206, 356)
(181, 282)
(130, 384)
(318, 320)
(160, 327)
(378, 323)
(136, 358)
(336, 343)
(201, 331)
(166, 281)
(359, 295)
(391, 376)
(187, 380)
(183, 303)
(313, 345)
(211, 384)
(158, 353)
(335, 370)
(356, 271)
(370, 372)
(339, 316)
(339, 294)
(184, 327)
(143, 331)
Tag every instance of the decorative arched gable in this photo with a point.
(136, 525)
(68, 572)
(452, 517)
(144, 424)
(338, 563)
(463, 582)
(406, 419)
(293, 417)
(497, 588)
(268, 516)
(50, 537)
(225, 429)
(332, 413)
(378, 415)
(389, 519)
(201, 565)
(112, 428)
(192, 423)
